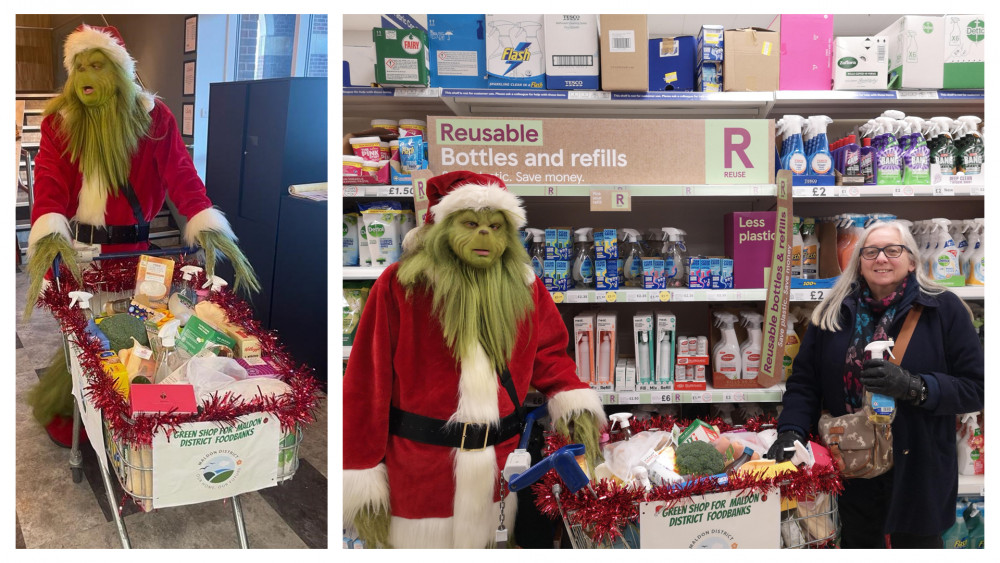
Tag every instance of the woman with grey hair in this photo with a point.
(940, 376)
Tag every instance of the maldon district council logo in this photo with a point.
(218, 467)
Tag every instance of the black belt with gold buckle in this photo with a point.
(465, 436)
(111, 234)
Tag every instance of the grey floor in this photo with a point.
(54, 512)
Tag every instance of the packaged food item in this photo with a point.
(412, 128)
(367, 147)
(152, 281)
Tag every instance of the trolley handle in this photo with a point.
(563, 461)
(129, 254)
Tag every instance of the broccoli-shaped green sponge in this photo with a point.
(699, 458)
(120, 328)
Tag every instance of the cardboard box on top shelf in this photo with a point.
(672, 63)
(751, 62)
(860, 63)
(624, 53)
(515, 51)
(572, 52)
(401, 57)
(916, 57)
(964, 51)
(457, 55)
(806, 45)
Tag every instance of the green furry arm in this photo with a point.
(586, 431)
(213, 242)
(44, 252)
(373, 527)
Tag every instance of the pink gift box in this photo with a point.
(806, 49)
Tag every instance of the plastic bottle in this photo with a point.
(866, 153)
(957, 536)
(621, 419)
(792, 343)
(170, 358)
(632, 255)
(675, 258)
(957, 232)
(969, 159)
(888, 157)
(215, 283)
(848, 236)
(976, 266)
(976, 526)
(916, 156)
(810, 249)
(944, 261)
(583, 259)
(188, 292)
(942, 147)
(820, 161)
(84, 298)
(726, 360)
(794, 157)
(751, 347)
(881, 409)
(537, 251)
(796, 247)
(663, 366)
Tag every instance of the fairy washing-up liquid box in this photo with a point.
(515, 57)
(964, 51)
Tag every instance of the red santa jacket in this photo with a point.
(161, 165)
(399, 358)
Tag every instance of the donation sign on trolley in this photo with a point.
(730, 520)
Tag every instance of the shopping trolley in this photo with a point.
(125, 452)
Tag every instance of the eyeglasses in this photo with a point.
(891, 251)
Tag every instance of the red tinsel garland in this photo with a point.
(605, 512)
(291, 408)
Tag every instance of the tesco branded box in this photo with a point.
(749, 240)
(572, 52)
(806, 42)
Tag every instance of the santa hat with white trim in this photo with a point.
(107, 39)
(460, 190)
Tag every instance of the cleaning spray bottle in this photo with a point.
(888, 157)
(751, 347)
(632, 256)
(796, 247)
(916, 156)
(881, 409)
(977, 261)
(957, 232)
(188, 292)
(972, 239)
(215, 283)
(792, 343)
(820, 161)
(537, 251)
(583, 259)
(170, 358)
(794, 156)
(810, 249)
(944, 261)
(726, 360)
(969, 142)
(84, 298)
(866, 153)
(941, 145)
(675, 258)
(620, 419)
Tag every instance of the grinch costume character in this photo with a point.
(450, 341)
(109, 155)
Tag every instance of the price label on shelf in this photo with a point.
(696, 397)
(641, 296)
(848, 191)
(588, 95)
(902, 191)
(718, 295)
(558, 297)
(727, 397)
(395, 191)
(662, 398)
(417, 93)
(578, 296)
(628, 398)
(916, 95)
(943, 191)
(739, 396)
(664, 296)
(601, 296)
(351, 191)
(807, 294)
(682, 295)
(977, 190)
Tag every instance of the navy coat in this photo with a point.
(945, 351)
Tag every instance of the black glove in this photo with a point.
(886, 378)
(786, 439)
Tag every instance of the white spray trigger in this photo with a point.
(803, 454)
(190, 271)
(518, 461)
(82, 296)
(215, 282)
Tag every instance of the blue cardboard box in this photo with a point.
(672, 63)
(457, 45)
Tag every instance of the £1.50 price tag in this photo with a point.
(396, 191)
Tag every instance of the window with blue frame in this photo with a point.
(280, 45)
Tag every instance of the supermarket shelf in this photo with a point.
(361, 273)
(378, 191)
(970, 292)
(972, 485)
(635, 295)
(841, 104)
(711, 395)
(664, 190)
(956, 187)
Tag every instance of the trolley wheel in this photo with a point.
(77, 474)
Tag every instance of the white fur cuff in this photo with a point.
(46, 225)
(209, 219)
(365, 487)
(566, 404)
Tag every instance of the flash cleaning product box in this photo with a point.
(916, 59)
(624, 53)
(457, 45)
(964, 51)
(585, 341)
(672, 63)
(400, 57)
(666, 342)
(806, 45)
(572, 52)
(515, 55)
(607, 350)
(749, 239)
(643, 337)
(751, 62)
(859, 63)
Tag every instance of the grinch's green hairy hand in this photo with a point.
(586, 430)
(479, 238)
(215, 242)
(44, 252)
(373, 527)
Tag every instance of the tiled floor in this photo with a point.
(54, 512)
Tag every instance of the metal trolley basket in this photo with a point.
(132, 463)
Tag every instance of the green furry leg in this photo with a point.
(44, 252)
(53, 394)
(587, 431)
(373, 527)
(214, 242)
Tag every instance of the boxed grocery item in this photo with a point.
(643, 338)
(916, 59)
(672, 63)
(585, 343)
(457, 44)
(709, 77)
(607, 350)
(666, 342)
(804, 53)
(515, 55)
(859, 63)
(751, 62)
(749, 240)
(711, 43)
(572, 51)
(622, 383)
(359, 63)
(624, 53)
(964, 51)
(401, 57)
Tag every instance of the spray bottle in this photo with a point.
(881, 409)
(916, 157)
(216, 283)
(796, 247)
(942, 147)
(810, 249)
(621, 420)
(632, 256)
(84, 299)
(792, 343)
(944, 261)
(751, 347)
(976, 267)
(973, 237)
(188, 292)
(794, 156)
(820, 161)
(888, 158)
(726, 359)
(969, 143)
(583, 260)
(170, 358)
(675, 258)
(866, 153)
(537, 251)
(957, 232)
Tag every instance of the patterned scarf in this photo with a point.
(871, 323)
